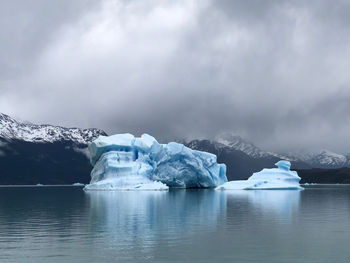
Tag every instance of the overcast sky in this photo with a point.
(275, 72)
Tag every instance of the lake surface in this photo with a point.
(65, 224)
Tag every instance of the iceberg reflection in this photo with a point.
(151, 216)
(280, 204)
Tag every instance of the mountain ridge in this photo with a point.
(12, 129)
(322, 159)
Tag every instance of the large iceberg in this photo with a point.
(124, 162)
(275, 178)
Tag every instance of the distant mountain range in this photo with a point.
(11, 129)
(47, 154)
(326, 159)
(323, 159)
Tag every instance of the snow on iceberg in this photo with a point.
(123, 162)
(275, 178)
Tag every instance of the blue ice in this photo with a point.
(125, 162)
(275, 178)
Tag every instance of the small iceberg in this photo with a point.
(275, 178)
(39, 184)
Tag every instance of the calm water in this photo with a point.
(65, 224)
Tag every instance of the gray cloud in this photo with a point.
(275, 72)
(26, 28)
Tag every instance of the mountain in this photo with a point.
(10, 129)
(324, 159)
(47, 154)
(237, 143)
(327, 159)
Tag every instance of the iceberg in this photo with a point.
(276, 178)
(125, 162)
(78, 184)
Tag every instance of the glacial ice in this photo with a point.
(275, 178)
(124, 162)
(78, 184)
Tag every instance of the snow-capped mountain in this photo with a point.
(13, 129)
(326, 159)
(237, 143)
(322, 159)
(46, 154)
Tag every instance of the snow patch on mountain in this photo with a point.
(327, 158)
(237, 143)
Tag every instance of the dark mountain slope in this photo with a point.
(60, 162)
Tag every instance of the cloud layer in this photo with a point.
(275, 72)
